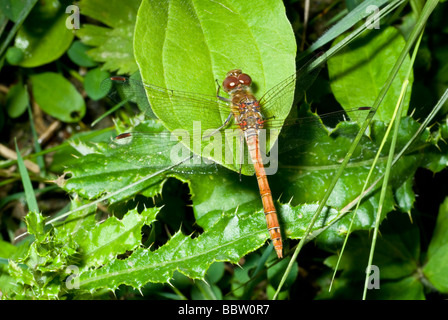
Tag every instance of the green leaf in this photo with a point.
(6, 249)
(210, 193)
(13, 9)
(14, 55)
(409, 288)
(437, 259)
(44, 36)
(21, 275)
(35, 224)
(77, 53)
(92, 83)
(16, 100)
(192, 60)
(64, 153)
(360, 70)
(436, 158)
(276, 272)
(222, 191)
(55, 250)
(103, 242)
(215, 272)
(405, 196)
(112, 45)
(229, 239)
(58, 97)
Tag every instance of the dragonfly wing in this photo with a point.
(279, 95)
(312, 128)
(210, 110)
(157, 151)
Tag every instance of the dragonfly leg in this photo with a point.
(217, 93)
(241, 154)
(223, 125)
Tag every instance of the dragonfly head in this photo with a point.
(236, 80)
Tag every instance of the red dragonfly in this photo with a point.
(247, 113)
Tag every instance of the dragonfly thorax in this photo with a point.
(249, 116)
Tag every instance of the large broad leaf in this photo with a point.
(215, 38)
(230, 239)
(361, 69)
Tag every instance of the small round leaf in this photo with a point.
(58, 97)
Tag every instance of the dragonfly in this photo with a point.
(244, 112)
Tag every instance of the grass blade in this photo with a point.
(26, 181)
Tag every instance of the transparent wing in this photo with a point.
(157, 151)
(297, 83)
(298, 132)
(160, 148)
(330, 119)
(136, 91)
(196, 105)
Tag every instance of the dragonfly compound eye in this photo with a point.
(230, 83)
(245, 79)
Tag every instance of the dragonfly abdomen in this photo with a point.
(265, 192)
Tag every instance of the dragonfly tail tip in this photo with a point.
(279, 253)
